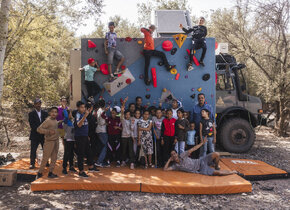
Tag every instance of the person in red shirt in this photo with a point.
(149, 50)
(114, 137)
(168, 137)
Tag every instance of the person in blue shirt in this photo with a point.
(81, 138)
(190, 140)
(196, 113)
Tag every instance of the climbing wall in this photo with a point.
(184, 86)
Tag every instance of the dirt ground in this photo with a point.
(271, 194)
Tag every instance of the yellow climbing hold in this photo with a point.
(164, 90)
(199, 89)
(179, 39)
(140, 42)
(173, 71)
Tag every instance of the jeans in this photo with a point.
(180, 147)
(208, 145)
(104, 139)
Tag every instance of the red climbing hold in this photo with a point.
(128, 81)
(123, 67)
(195, 61)
(177, 76)
(167, 45)
(91, 44)
(104, 69)
(188, 51)
(216, 45)
(154, 77)
(128, 39)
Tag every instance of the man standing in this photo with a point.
(149, 50)
(198, 40)
(35, 118)
(196, 113)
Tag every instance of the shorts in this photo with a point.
(61, 132)
(205, 163)
(113, 52)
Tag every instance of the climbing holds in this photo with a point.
(192, 89)
(104, 69)
(123, 67)
(173, 71)
(186, 76)
(141, 76)
(216, 45)
(199, 89)
(147, 96)
(128, 81)
(109, 102)
(186, 57)
(160, 63)
(192, 96)
(164, 89)
(173, 51)
(177, 76)
(195, 61)
(167, 45)
(140, 42)
(122, 40)
(91, 44)
(205, 77)
(154, 77)
(128, 39)
(179, 39)
(147, 89)
(135, 39)
(169, 97)
(188, 51)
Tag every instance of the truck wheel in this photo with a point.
(236, 135)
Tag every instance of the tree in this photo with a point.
(145, 9)
(257, 33)
(4, 15)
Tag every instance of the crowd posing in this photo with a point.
(131, 136)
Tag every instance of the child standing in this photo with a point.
(111, 51)
(69, 142)
(134, 129)
(145, 138)
(82, 141)
(92, 87)
(208, 131)
(157, 122)
(168, 134)
(181, 128)
(127, 140)
(175, 106)
(191, 140)
(51, 144)
(114, 133)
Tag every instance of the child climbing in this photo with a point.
(145, 138)
(198, 41)
(149, 51)
(111, 50)
(92, 87)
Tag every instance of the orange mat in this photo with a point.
(140, 180)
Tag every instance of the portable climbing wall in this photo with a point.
(178, 83)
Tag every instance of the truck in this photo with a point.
(237, 113)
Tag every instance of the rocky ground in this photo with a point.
(271, 194)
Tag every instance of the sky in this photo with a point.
(128, 9)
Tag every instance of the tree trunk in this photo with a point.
(282, 123)
(4, 14)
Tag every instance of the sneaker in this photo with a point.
(146, 166)
(64, 171)
(217, 167)
(189, 67)
(39, 175)
(132, 166)
(201, 63)
(106, 165)
(151, 165)
(83, 174)
(123, 163)
(32, 166)
(72, 169)
(47, 164)
(51, 175)
(118, 164)
(99, 165)
(94, 169)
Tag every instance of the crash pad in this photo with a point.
(254, 169)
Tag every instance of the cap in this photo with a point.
(118, 109)
(37, 100)
(91, 60)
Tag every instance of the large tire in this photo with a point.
(237, 135)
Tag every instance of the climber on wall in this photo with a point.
(198, 41)
(111, 51)
(149, 51)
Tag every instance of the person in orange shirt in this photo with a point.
(149, 51)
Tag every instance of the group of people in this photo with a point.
(199, 32)
(133, 136)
